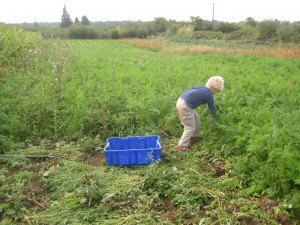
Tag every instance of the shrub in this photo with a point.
(186, 31)
(209, 35)
(244, 34)
(54, 33)
(78, 31)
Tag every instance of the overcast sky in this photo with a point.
(18, 11)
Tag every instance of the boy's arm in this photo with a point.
(211, 106)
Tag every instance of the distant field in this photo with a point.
(200, 46)
(69, 96)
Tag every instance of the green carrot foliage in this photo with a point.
(68, 90)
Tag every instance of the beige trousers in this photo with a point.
(190, 119)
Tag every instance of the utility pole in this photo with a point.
(213, 17)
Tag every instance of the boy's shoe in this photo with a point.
(182, 148)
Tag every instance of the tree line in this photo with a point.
(196, 28)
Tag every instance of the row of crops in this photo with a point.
(70, 90)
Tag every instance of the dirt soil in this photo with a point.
(269, 205)
(169, 212)
(93, 159)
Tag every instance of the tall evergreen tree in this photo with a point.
(66, 20)
(85, 21)
(76, 20)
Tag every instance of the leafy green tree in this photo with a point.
(226, 27)
(130, 30)
(267, 29)
(172, 29)
(114, 34)
(250, 22)
(66, 20)
(197, 22)
(160, 25)
(85, 21)
(200, 24)
(287, 32)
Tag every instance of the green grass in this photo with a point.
(69, 96)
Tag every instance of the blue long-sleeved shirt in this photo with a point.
(199, 95)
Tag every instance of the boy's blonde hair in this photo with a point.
(217, 82)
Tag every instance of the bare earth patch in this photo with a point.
(36, 193)
(269, 205)
(93, 159)
(169, 212)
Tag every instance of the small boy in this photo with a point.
(189, 101)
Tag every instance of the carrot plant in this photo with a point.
(72, 91)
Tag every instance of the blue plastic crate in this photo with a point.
(136, 150)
